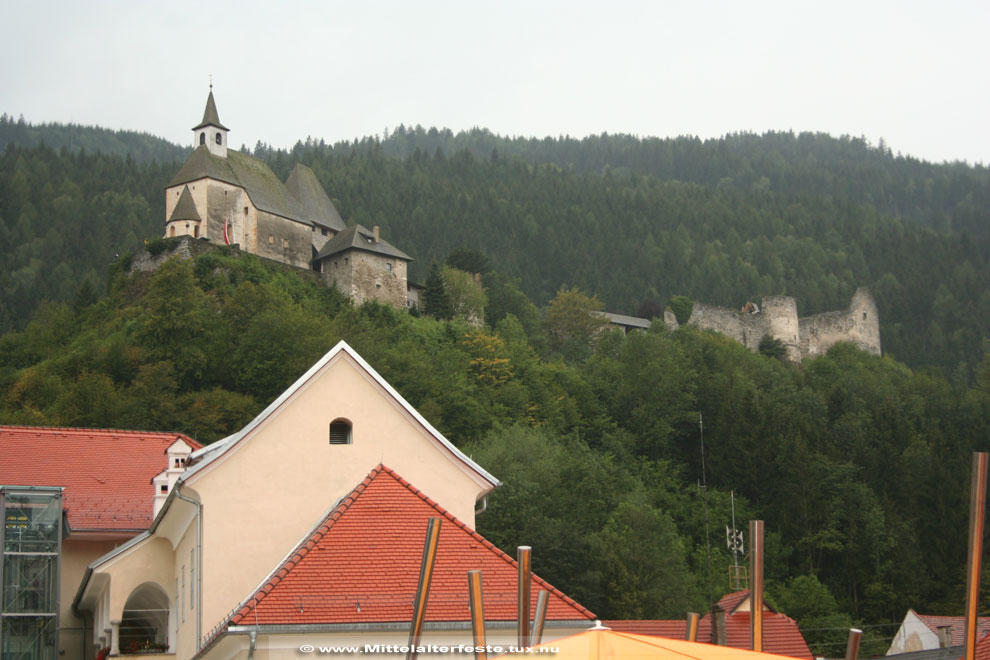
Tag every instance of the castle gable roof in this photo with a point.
(317, 207)
(361, 565)
(239, 169)
(360, 238)
(185, 208)
(105, 473)
(210, 115)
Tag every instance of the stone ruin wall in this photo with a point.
(860, 324)
(747, 329)
(804, 337)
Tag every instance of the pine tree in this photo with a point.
(436, 302)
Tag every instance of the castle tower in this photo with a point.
(865, 321)
(210, 133)
(185, 219)
(781, 317)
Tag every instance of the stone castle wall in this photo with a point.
(801, 337)
(362, 276)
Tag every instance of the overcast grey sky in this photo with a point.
(913, 73)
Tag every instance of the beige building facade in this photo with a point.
(240, 505)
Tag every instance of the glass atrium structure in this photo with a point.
(31, 541)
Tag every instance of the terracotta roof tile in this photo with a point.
(957, 624)
(106, 473)
(780, 632)
(362, 565)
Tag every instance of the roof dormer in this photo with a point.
(210, 133)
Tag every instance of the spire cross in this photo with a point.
(211, 82)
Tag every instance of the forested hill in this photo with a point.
(140, 147)
(858, 465)
(634, 221)
(952, 196)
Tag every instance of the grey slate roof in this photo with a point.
(360, 238)
(317, 207)
(210, 116)
(185, 209)
(262, 186)
(626, 321)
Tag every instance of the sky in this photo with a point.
(915, 74)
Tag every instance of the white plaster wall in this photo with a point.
(269, 491)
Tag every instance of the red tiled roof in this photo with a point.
(982, 645)
(106, 473)
(956, 623)
(780, 632)
(362, 565)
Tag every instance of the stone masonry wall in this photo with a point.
(804, 337)
(747, 329)
(364, 276)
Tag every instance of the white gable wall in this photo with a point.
(269, 489)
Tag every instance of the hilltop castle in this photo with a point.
(802, 338)
(231, 198)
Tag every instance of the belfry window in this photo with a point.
(219, 138)
(202, 138)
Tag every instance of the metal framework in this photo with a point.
(30, 569)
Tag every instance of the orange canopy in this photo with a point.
(602, 644)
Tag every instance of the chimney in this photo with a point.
(718, 626)
(378, 233)
(944, 637)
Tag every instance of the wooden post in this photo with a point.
(542, 600)
(691, 633)
(523, 558)
(852, 646)
(423, 590)
(477, 615)
(977, 513)
(756, 584)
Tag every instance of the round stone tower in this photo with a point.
(781, 317)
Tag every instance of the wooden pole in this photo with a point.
(852, 646)
(477, 615)
(542, 600)
(977, 513)
(691, 633)
(756, 584)
(423, 590)
(523, 557)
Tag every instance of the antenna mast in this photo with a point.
(704, 500)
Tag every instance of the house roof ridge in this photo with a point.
(94, 429)
(341, 347)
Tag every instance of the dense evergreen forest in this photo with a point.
(858, 465)
(634, 221)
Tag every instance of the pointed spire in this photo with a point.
(210, 115)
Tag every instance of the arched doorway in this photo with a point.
(144, 625)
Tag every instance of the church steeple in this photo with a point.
(210, 133)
